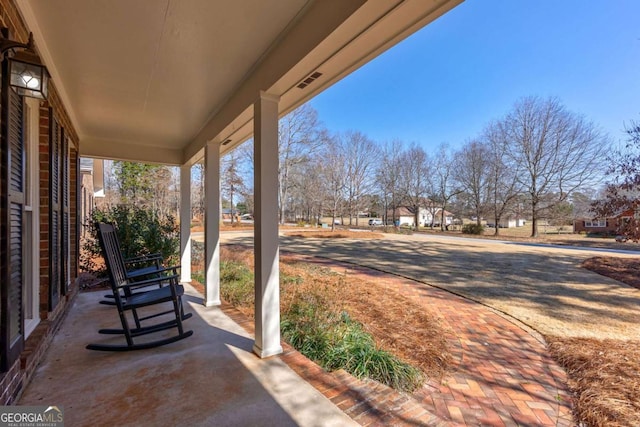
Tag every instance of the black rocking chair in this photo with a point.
(126, 300)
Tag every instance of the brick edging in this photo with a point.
(366, 401)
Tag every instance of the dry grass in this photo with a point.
(337, 234)
(605, 377)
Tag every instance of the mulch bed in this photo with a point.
(626, 270)
(604, 374)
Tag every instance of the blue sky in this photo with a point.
(447, 81)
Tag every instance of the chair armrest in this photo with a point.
(151, 281)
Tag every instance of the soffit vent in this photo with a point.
(306, 82)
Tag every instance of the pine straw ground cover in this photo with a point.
(604, 374)
(398, 325)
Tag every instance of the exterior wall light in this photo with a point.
(27, 75)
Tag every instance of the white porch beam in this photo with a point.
(267, 269)
(212, 224)
(185, 223)
(128, 151)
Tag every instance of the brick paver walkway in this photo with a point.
(502, 375)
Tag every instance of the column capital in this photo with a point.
(212, 143)
(266, 96)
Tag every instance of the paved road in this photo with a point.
(542, 286)
(631, 250)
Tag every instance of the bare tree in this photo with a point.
(335, 173)
(197, 190)
(473, 173)
(245, 170)
(361, 154)
(415, 174)
(388, 178)
(231, 180)
(581, 203)
(310, 191)
(559, 152)
(443, 177)
(504, 186)
(299, 136)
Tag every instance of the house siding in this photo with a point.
(19, 373)
(612, 226)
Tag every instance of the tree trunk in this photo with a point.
(534, 220)
(231, 199)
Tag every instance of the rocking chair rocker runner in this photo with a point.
(125, 300)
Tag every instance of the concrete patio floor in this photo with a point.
(211, 378)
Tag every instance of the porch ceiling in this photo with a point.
(155, 80)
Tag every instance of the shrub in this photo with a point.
(237, 283)
(305, 325)
(472, 228)
(197, 252)
(141, 231)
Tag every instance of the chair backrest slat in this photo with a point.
(112, 254)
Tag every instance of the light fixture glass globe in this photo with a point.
(30, 81)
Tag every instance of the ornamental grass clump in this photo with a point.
(335, 341)
(355, 351)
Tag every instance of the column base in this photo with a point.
(266, 352)
(213, 303)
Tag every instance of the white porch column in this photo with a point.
(212, 224)
(185, 223)
(267, 269)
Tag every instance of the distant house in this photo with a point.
(511, 222)
(91, 188)
(227, 213)
(602, 225)
(426, 217)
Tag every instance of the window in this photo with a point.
(596, 223)
(31, 286)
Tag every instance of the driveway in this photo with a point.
(541, 286)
